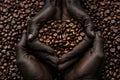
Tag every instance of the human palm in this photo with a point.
(37, 56)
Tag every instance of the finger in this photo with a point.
(47, 57)
(93, 60)
(88, 67)
(53, 2)
(47, 1)
(21, 46)
(89, 27)
(98, 44)
(37, 45)
(42, 16)
(23, 39)
(58, 2)
(52, 60)
(76, 7)
(67, 64)
(32, 69)
(52, 64)
(32, 31)
(33, 26)
(58, 13)
(79, 13)
(78, 50)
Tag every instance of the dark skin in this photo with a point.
(30, 67)
(47, 13)
(56, 11)
(86, 68)
(33, 29)
(83, 65)
(89, 67)
(73, 8)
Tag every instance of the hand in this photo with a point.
(74, 8)
(30, 67)
(74, 55)
(48, 12)
(41, 50)
(89, 67)
(27, 63)
(45, 14)
(78, 50)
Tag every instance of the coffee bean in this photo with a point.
(62, 37)
(12, 9)
(14, 18)
(112, 49)
(107, 12)
(1, 26)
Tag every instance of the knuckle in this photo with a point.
(17, 46)
(100, 55)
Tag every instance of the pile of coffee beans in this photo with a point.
(14, 18)
(63, 36)
(16, 14)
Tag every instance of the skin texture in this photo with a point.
(62, 10)
(89, 66)
(75, 9)
(82, 63)
(53, 7)
(50, 7)
(30, 67)
(76, 52)
(43, 51)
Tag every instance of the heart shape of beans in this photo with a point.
(63, 36)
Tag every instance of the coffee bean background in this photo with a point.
(106, 17)
(14, 18)
(62, 36)
(16, 14)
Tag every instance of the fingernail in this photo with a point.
(93, 33)
(30, 37)
(99, 33)
(24, 31)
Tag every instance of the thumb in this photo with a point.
(32, 31)
(22, 42)
(21, 46)
(98, 44)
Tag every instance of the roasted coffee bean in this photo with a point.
(64, 35)
(104, 14)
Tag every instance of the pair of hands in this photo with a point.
(49, 12)
(41, 51)
(88, 67)
(30, 49)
